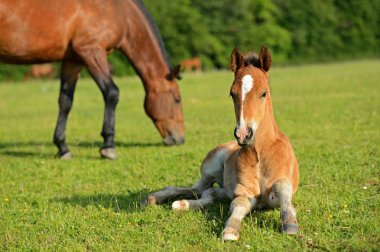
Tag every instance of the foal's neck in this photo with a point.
(267, 132)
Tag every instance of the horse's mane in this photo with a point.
(251, 59)
(155, 30)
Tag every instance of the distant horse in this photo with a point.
(258, 171)
(193, 64)
(38, 71)
(81, 33)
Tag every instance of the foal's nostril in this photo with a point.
(235, 133)
(249, 133)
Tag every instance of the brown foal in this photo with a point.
(257, 171)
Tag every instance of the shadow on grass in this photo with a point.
(117, 202)
(95, 144)
(131, 202)
(25, 154)
(6, 147)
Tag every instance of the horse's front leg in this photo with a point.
(69, 76)
(96, 62)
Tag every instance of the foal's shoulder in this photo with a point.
(281, 148)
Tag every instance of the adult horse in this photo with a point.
(39, 71)
(193, 64)
(81, 33)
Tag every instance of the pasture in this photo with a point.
(330, 113)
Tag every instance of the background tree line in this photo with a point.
(296, 31)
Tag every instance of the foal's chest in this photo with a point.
(245, 174)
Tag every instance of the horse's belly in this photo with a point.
(33, 54)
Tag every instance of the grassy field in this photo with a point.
(330, 113)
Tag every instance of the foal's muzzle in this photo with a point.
(243, 137)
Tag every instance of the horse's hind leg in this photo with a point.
(69, 77)
(96, 62)
(283, 192)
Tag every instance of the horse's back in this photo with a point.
(41, 31)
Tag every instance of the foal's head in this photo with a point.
(250, 92)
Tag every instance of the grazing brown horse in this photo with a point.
(258, 171)
(38, 71)
(193, 64)
(81, 33)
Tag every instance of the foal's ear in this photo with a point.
(237, 60)
(265, 59)
(174, 73)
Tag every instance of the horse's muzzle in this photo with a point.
(173, 139)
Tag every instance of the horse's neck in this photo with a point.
(143, 49)
(268, 131)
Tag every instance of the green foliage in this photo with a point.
(329, 112)
(12, 72)
(296, 31)
(184, 31)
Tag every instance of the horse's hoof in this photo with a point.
(230, 234)
(109, 153)
(65, 156)
(288, 228)
(180, 205)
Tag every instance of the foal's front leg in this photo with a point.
(283, 191)
(240, 207)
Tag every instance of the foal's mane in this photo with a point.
(251, 59)
(156, 32)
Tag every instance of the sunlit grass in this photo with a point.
(330, 113)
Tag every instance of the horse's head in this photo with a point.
(164, 107)
(250, 92)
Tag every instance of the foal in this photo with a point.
(258, 171)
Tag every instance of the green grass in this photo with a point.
(330, 113)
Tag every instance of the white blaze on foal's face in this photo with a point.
(246, 86)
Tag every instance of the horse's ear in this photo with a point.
(237, 60)
(265, 59)
(174, 73)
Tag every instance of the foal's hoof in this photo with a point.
(65, 156)
(180, 205)
(150, 200)
(230, 234)
(288, 228)
(109, 153)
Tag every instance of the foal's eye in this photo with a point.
(264, 94)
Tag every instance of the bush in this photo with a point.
(296, 31)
